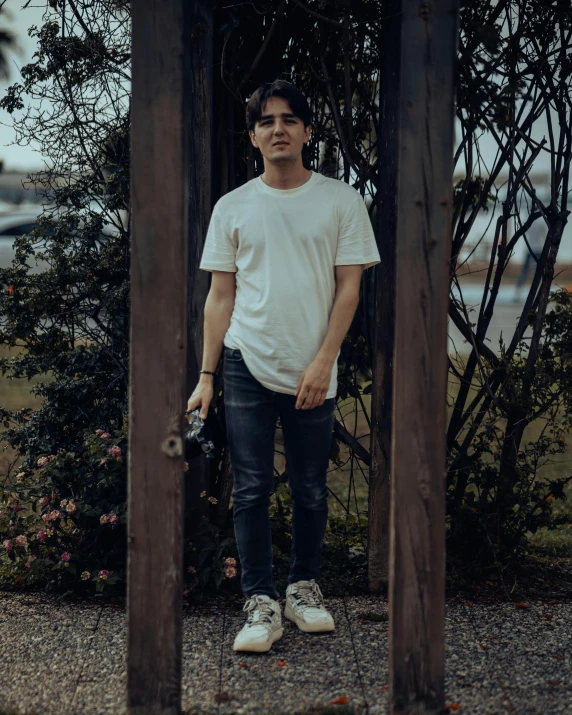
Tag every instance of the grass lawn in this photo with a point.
(14, 395)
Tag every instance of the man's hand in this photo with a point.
(313, 384)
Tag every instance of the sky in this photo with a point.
(18, 20)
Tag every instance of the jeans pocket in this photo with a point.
(232, 355)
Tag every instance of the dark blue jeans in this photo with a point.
(251, 414)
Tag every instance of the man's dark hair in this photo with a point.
(279, 88)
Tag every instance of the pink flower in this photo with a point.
(103, 519)
(115, 451)
(41, 461)
(66, 556)
(21, 540)
(230, 572)
(43, 501)
(50, 516)
(8, 545)
(41, 536)
(29, 561)
(185, 592)
(192, 569)
(98, 431)
(16, 506)
(230, 562)
(103, 574)
(105, 435)
(51, 456)
(112, 518)
(71, 507)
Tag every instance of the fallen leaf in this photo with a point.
(467, 603)
(222, 698)
(558, 657)
(339, 701)
(454, 706)
(553, 603)
(243, 665)
(384, 687)
(281, 663)
(489, 583)
(553, 682)
(510, 707)
(521, 604)
(484, 646)
(547, 617)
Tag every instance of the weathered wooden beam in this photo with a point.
(159, 204)
(418, 456)
(384, 286)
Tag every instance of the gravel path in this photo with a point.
(67, 658)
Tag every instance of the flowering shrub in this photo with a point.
(64, 520)
(63, 524)
(208, 568)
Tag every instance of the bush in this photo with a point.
(493, 501)
(63, 521)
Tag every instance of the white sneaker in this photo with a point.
(305, 606)
(263, 627)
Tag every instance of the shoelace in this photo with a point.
(257, 603)
(311, 594)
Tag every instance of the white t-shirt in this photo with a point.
(283, 245)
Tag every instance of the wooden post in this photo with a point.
(418, 457)
(159, 201)
(384, 324)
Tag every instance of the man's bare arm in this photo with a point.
(217, 314)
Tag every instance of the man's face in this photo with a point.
(278, 134)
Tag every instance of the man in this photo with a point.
(286, 251)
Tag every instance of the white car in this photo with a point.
(18, 224)
(12, 226)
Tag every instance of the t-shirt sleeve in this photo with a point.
(219, 251)
(356, 239)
